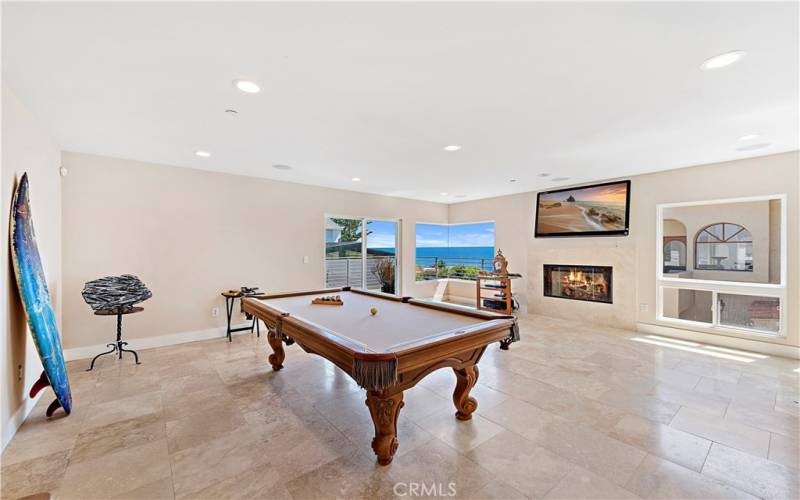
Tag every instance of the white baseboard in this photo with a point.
(760, 347)
(16, 420)
(149, 342)
(19, 416)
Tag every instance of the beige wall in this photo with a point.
(190, 234)
(673, 227)
(513, 230)
(753, 216)
(26, 148)
(634, 257)
(767, 175)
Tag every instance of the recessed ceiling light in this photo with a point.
(544, 174)
(355, 179)
(281, 167)
(452, 147)
(722, 60)
(512, 180)
(753, 147)
(202, 154)
(247, 86)
(560, 179)
(231, 112)
(749, 137)
(443, 194)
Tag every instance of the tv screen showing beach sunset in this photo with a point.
(590, 210)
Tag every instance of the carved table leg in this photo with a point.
(276, 343)
(466, 379)
(384, 411)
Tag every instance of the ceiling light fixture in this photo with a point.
(749, 137)
(247, 86)
(512, 180)
(281, 167)
(231, 112)
(452, 147)
(355, 179)
(202, 154)
(722, 60)
(543, 174)
(443, 194)
(753, 147)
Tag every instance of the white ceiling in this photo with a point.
(586, 91)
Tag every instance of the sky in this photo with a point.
(480, 234)
(382, 234)
(614, 194)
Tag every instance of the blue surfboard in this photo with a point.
(36, 301)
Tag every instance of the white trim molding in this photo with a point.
(10, 428)
(777, 290)
(90, 351)
(768, 348)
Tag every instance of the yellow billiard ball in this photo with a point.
(373, 311)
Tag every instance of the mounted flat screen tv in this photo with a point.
(596, 210)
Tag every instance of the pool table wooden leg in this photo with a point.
(466, 379)
(384, 410)
(276, 343)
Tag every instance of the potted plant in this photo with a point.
(384, 270)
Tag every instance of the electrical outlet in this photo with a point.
(214, 312)
(643, 307)
(19, 372)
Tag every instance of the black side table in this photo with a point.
(230, 300)
(118, 346)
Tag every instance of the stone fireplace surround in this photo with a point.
(599, 252)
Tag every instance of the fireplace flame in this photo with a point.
(576, 277)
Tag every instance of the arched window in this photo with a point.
(724, 247)
(674, 254)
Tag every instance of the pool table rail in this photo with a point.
(385, 375)
(374, 370)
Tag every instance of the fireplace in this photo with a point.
(589, 283)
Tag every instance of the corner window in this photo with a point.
(454, 250)
(724, 247)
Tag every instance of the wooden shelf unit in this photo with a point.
(501, 286)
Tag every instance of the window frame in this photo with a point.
(451, 224)
(364, 219)
(720, 241)
(676, 239)
(778, 290)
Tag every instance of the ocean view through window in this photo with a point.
(453, 250)
(361, 252)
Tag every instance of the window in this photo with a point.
(362, 253)
(454, 250)
(674, 255)
(695, 283)
(750, 312)
(724, 247)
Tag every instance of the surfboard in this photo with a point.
(36, 301)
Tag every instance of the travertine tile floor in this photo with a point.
(572, 411)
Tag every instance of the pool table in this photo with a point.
(388, 352)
